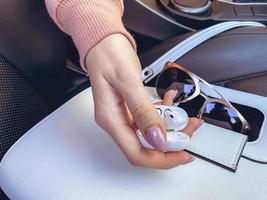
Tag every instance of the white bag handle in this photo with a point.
(190, 43)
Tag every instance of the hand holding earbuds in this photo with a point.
(175, 119)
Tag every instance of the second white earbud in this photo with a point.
(175, 118)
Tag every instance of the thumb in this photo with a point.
(143, 112)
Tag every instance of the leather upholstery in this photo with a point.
(34, 44)
(255, 84)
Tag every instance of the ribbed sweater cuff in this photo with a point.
(90, 21)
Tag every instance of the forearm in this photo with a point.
(88, 21)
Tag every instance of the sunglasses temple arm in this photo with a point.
(176, 104)
(201, 110)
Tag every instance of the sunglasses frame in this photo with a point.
(196, 80)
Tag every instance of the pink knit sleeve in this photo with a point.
(88, 21)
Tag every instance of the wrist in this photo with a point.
(111, 56)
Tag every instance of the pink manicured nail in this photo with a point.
(154, 136)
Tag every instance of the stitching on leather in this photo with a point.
(239, 149)
(215, 158)
(210, 156)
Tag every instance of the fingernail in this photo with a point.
(190, 160)
(154, 136)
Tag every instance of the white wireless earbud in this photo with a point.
(177, 141)
(175, 119)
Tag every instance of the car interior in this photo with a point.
(40, 70)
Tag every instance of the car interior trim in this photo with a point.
(190, 43)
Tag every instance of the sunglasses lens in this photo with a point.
(175, 79)
(223, 116)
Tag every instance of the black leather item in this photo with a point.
(235, 53)
(34, 44)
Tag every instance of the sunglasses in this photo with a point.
(199, 98)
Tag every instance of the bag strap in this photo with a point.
(190, 43)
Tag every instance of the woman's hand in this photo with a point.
(121, 102)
